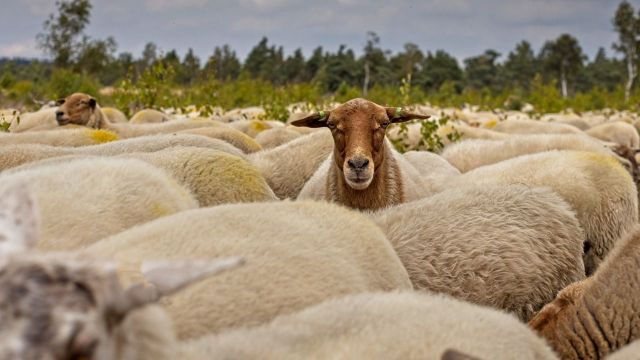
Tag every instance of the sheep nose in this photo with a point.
(59, 114)
(358, 164)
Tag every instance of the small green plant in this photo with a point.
(6, 123)
(430, 140)
(152, 90)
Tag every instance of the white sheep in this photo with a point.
(489, 245)
(234, 137)
(62, 305)
(470, 154)
(271, 138)
(629, 352)
(617, 132)
(598, 188)
(364, 171)
(298, 254)
(16, 155)
(31, 121)
(597, 316)
(434, 169)
(289, 166)
(534, 127)
(146, 116)
(399, 325)
(83, 201)
(113, 115)
(251, 127)
(61, 137)
(213, 177)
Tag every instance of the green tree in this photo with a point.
(223, 64)
(627, 24)
(189, 69)
(407, 63)
(481, 72)
(95, 57)
(294, 67)
(437, 69)
(374, 63)
(62, 38)
(520, 67)
(602, 72)
(564, 59)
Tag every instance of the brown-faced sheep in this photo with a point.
(596, 186)
(489, 245)
(592, 318)
(82, 109)
(298, 254)
(364, 171)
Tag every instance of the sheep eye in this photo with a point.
(331, 125)
(385, 124)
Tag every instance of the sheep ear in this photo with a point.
(92, 103)
(18, 220)
(60, 101)
(316, 120)
(168, 277)
(451, 354)
(398, 115)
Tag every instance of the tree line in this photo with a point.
(560, 62)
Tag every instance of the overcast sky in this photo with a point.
(462, 27)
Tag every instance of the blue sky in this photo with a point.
(462, 27)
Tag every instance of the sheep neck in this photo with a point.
(385, 188)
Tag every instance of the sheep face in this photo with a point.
(76, 109)
(358, 128)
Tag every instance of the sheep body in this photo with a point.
(101, 197)
(16, 155)
(114, 115)
(272, 138)
(40, 120)
(470, 154)
(629, 352)
(399, 325)
(232, 136)
(489, 245)
(594, 317)
(62, 137)
(535, 127)
(617, 132)
(596, 186)
(433, 168)
(298, 254)
(147, 116)
(288, 167)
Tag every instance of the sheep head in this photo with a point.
(63, 306)
(77, 109)
(358, 128)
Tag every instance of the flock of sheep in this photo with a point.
(518, 242)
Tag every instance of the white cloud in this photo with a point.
(163, 5)
(26, 48)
